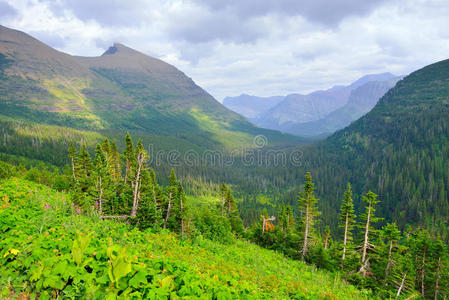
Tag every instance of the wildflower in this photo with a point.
(47, 206)
(78, 211)
(73, 204)
(96, 203)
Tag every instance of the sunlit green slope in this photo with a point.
(49, 250)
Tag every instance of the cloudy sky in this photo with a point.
(259, 47)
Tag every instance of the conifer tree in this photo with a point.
(128, 158)
(223, 190)
(232, 213)
(370, 200)
(283, 219)
(100, 164)
(140, 165)
(72, 156)
(83, 171)
(115, 162)
(171, 195)
(290, 217)
(149, 214)
(347, 219)
(327, 237)
(392, 234)
(182, 209)
(307, 205)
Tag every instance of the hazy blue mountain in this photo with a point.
(318, 113)
(251, 106)
(360, 101)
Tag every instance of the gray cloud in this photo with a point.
(106, 12)
(261, 47)
(7, 11)
(327, 12)
(206, 27)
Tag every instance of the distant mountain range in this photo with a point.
(316, 114)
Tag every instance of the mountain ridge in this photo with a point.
(121, 90)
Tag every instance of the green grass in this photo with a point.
(47, 250)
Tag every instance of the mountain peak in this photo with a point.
(115, 48)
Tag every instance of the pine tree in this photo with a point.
(232, 213)
(72, 156)
(290, 217)
(148, 215)
(283, 219)
(129, 158)
(223, 190)
(115, 162)
(141, 159)
(100, 164)
(370, 200)
(171, 195)
(392, 234)
(327, 237)
(307, 205)
(183, 211)
(84, 183)
(347, 219)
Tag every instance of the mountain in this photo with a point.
(119, 91)
(251, 106)
(399, 150)
(316, 114)
(360, 101)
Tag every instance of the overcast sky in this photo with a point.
(259, 47)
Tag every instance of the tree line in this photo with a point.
(122, 186)
(391, 262)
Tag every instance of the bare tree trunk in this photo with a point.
(345, 239)
(168, 211)
(306, 233)
(401, 286)
(365, 243)
(140, 162)
(437, 279)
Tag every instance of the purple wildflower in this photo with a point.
(73, 204)
(47, 206)
(96, 203)
(78, 211)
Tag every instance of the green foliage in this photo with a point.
(48, 250)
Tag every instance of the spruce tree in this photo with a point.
(100, 164)
(392, 234)
(72, 156)
(347, 219)
(128, 158)
(171, 196)
(140, 167)
(307, 206)
(369, 218)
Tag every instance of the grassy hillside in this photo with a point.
(49, 250)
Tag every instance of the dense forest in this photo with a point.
(120, 186)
